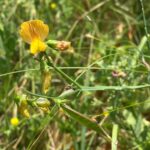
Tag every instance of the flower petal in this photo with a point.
(37, 46)
(25, 33)
(34, 29)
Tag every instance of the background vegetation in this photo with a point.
(110, 60)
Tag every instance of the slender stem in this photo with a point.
(145, 24)
(61, 72)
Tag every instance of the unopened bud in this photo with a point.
(63, 45)
(59, 45)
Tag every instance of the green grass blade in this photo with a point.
(114, 137)
(83, 138)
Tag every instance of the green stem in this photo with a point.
(62, 73)
(145, 24)
(114, 137)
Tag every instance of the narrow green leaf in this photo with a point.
(81, 118)
(101, 88)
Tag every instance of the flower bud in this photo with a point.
(63, 45)
(59, 45)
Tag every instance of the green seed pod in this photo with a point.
(46, 80)
(23, 108)
(43, 102)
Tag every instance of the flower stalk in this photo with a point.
(61, 72)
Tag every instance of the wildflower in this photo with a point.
(14, 121)
(34, 33)
(53, 5)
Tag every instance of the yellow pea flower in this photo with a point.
(34, 32)
(14, 121)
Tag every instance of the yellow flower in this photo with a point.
(106, 113)
(14, 121)
(34, 33)
(53, 5)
